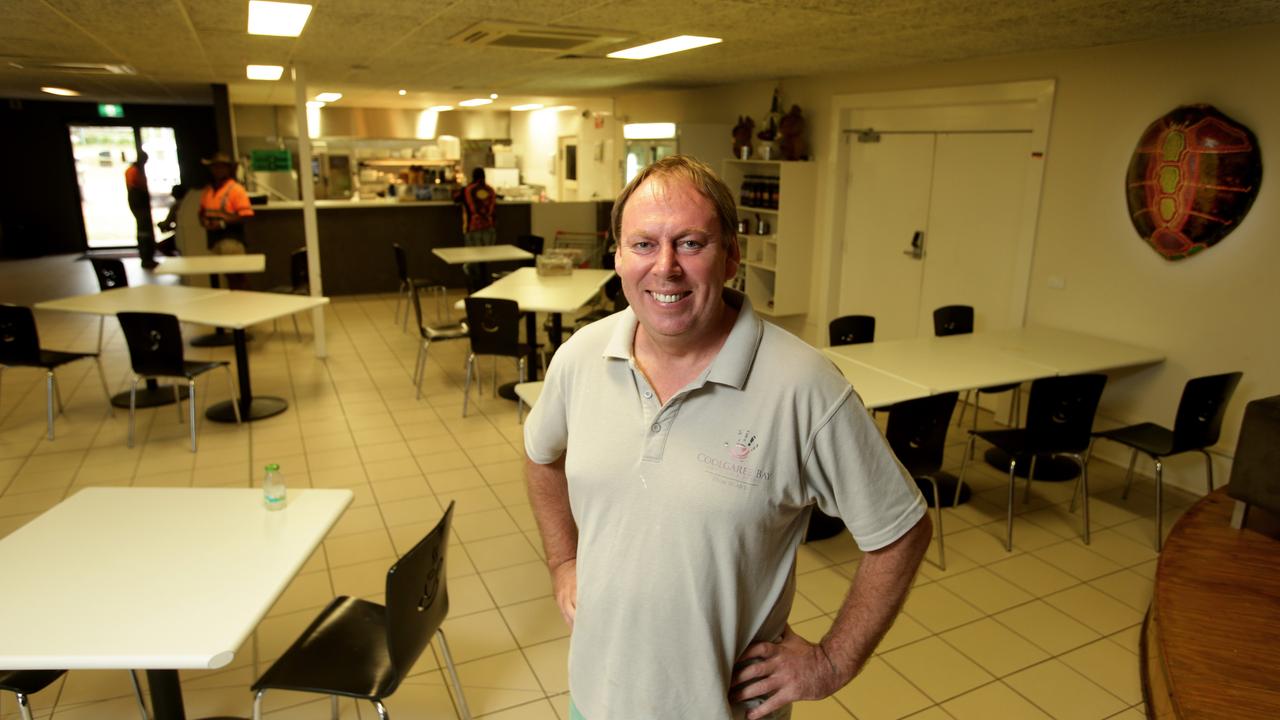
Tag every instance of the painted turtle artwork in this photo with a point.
(1192, 179)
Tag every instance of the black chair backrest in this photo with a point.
(417, 598)
(402, 263)
(155, 342)
(19, 341)
(953, 320)
(495, 326)
(417, 308)
(1204, 402)
(917, 431)
(110, 273)
(852, 330)
(1060, 412)
(613, 291)
(531, 243)
(299, 274)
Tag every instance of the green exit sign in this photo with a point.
(270, 160)
(110, 110)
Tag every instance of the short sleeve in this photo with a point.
(852, 474)
(546, 430)
(238, 201)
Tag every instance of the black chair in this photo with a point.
(1196, 426)
(429, 334)
(917, 434)
(20, 347)
(494, 327)
(110, 274)
(614, 301)
(299, 284)
(958, 320)
(408, 284)
(1059, 422)
(531, 244)
(23, 683)
(156, 351)
(359, 649)
(851, 330)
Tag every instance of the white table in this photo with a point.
(213, 266)
(153, 578)
(481, 254)
(876, 388)
(235, 309)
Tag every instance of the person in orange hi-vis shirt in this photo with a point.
(135, 183)
(224, 205)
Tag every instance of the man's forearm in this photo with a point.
(879, 588)
(549, 498)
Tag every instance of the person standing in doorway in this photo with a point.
(479, 227)
(135, 184)
(224, 205)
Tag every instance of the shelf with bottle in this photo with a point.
(777, 206)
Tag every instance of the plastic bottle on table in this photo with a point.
(273, 488)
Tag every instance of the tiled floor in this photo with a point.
(1047, 631)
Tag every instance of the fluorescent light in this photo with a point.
(404, 92)
(263, 72)
(676, 44)
(277, 18)
(475, 102)
(440, 108)
(561, 108)
(64, 92)
(530, 106)
(329, 97)
(493, 96)
(426, 127)
(649, 131)
(315, 104)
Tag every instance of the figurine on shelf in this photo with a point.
(742, 137)
(767, 148)
(791, 127)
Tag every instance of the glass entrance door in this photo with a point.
(102, 154)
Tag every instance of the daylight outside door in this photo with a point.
(102, 154)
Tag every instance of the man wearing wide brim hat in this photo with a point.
(224, 205)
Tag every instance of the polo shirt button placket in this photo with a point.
(656, 427)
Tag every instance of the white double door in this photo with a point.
(932, 219)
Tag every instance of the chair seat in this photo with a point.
(190, 369)
(1013, 441)
(999, 388)
(1150, 438)
(343, 652)
(446, 332)
(50, 359)
(28, 682)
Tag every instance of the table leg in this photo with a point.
(219, 336)
(166, 695)
(251, 408)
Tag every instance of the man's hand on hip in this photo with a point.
(785, 671)
(564, 583)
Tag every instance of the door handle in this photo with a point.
(917, 246)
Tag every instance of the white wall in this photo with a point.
(1209, 313)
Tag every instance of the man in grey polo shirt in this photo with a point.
(673, 460)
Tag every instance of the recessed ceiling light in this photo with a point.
(676, 44)
(561, 108)
(277, 18)
(329, 97)
(493, 96)
(64, 92)
(404, 92)
(649, 131)
(440, 108)
(529, 106)
(263, 72)
(474, 102)
(315, 104)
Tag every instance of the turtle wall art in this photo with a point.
(1192, 179)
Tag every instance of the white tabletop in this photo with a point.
(211, 264)
(552, 293)
(529, 392)
(943, 364)
(876, 388)
(481, 253)
(208, 306)
(155, 578)
(1069, 352)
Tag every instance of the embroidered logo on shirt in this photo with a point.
(735, 472)
(743, 445)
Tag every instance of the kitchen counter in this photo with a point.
(368, 204)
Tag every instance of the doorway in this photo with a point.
(102, 154)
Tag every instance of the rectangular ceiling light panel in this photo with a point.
(263, 72)
(676, 44)
(277, 18)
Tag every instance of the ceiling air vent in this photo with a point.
(536, 37)
(76, 68)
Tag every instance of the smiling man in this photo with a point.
(674, 457)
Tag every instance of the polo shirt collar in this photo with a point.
(730, 366)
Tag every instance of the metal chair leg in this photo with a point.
(1159, 505)
(137, 694)
(420, 367)
(24, 706)
(333, 707)
(191, 409)
(133, 400)
(382, 710)
(1084, 498)
(111, 409)
(964, 464)
(1208, 468)
(937, 511)
(466, 388)
(1013, 476)
(463, 711)
(49, 381)
(257, 704)
(1128, 476)
(296, 330)
(964, 404)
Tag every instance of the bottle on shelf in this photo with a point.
(274, 491)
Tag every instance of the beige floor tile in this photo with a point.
(467, 595)
(999, 650)
(1077, 560)
(982, 544)
(1032, 574)
(880, 693)
(1133, 713)
(1128, 587)
(937, 668)
(1094, 608)
(826, 709)
(424, 695)
(1048, 627)
(310, 591)
(933, 713)
(358, 548)
(996, 700)
(479, 515)
(1130, 639)
(392, 468)
(939, 609)
(1063, 693)
(535, 621)
(478, 635)
(499, 552)
(986, 591)
(411, 511)
(446, 481)
(537, 710)
(956, 564)
(518, 583)
(802, 610)
(508, 471)
(550, 662)
(1121, 549)
(825, 588)
(357, 520)
(903, 631)
(1112, 667)
(366, 580)
(401, 488)
(498, 453)
(838, 549)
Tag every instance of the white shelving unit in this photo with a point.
(777, 265)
